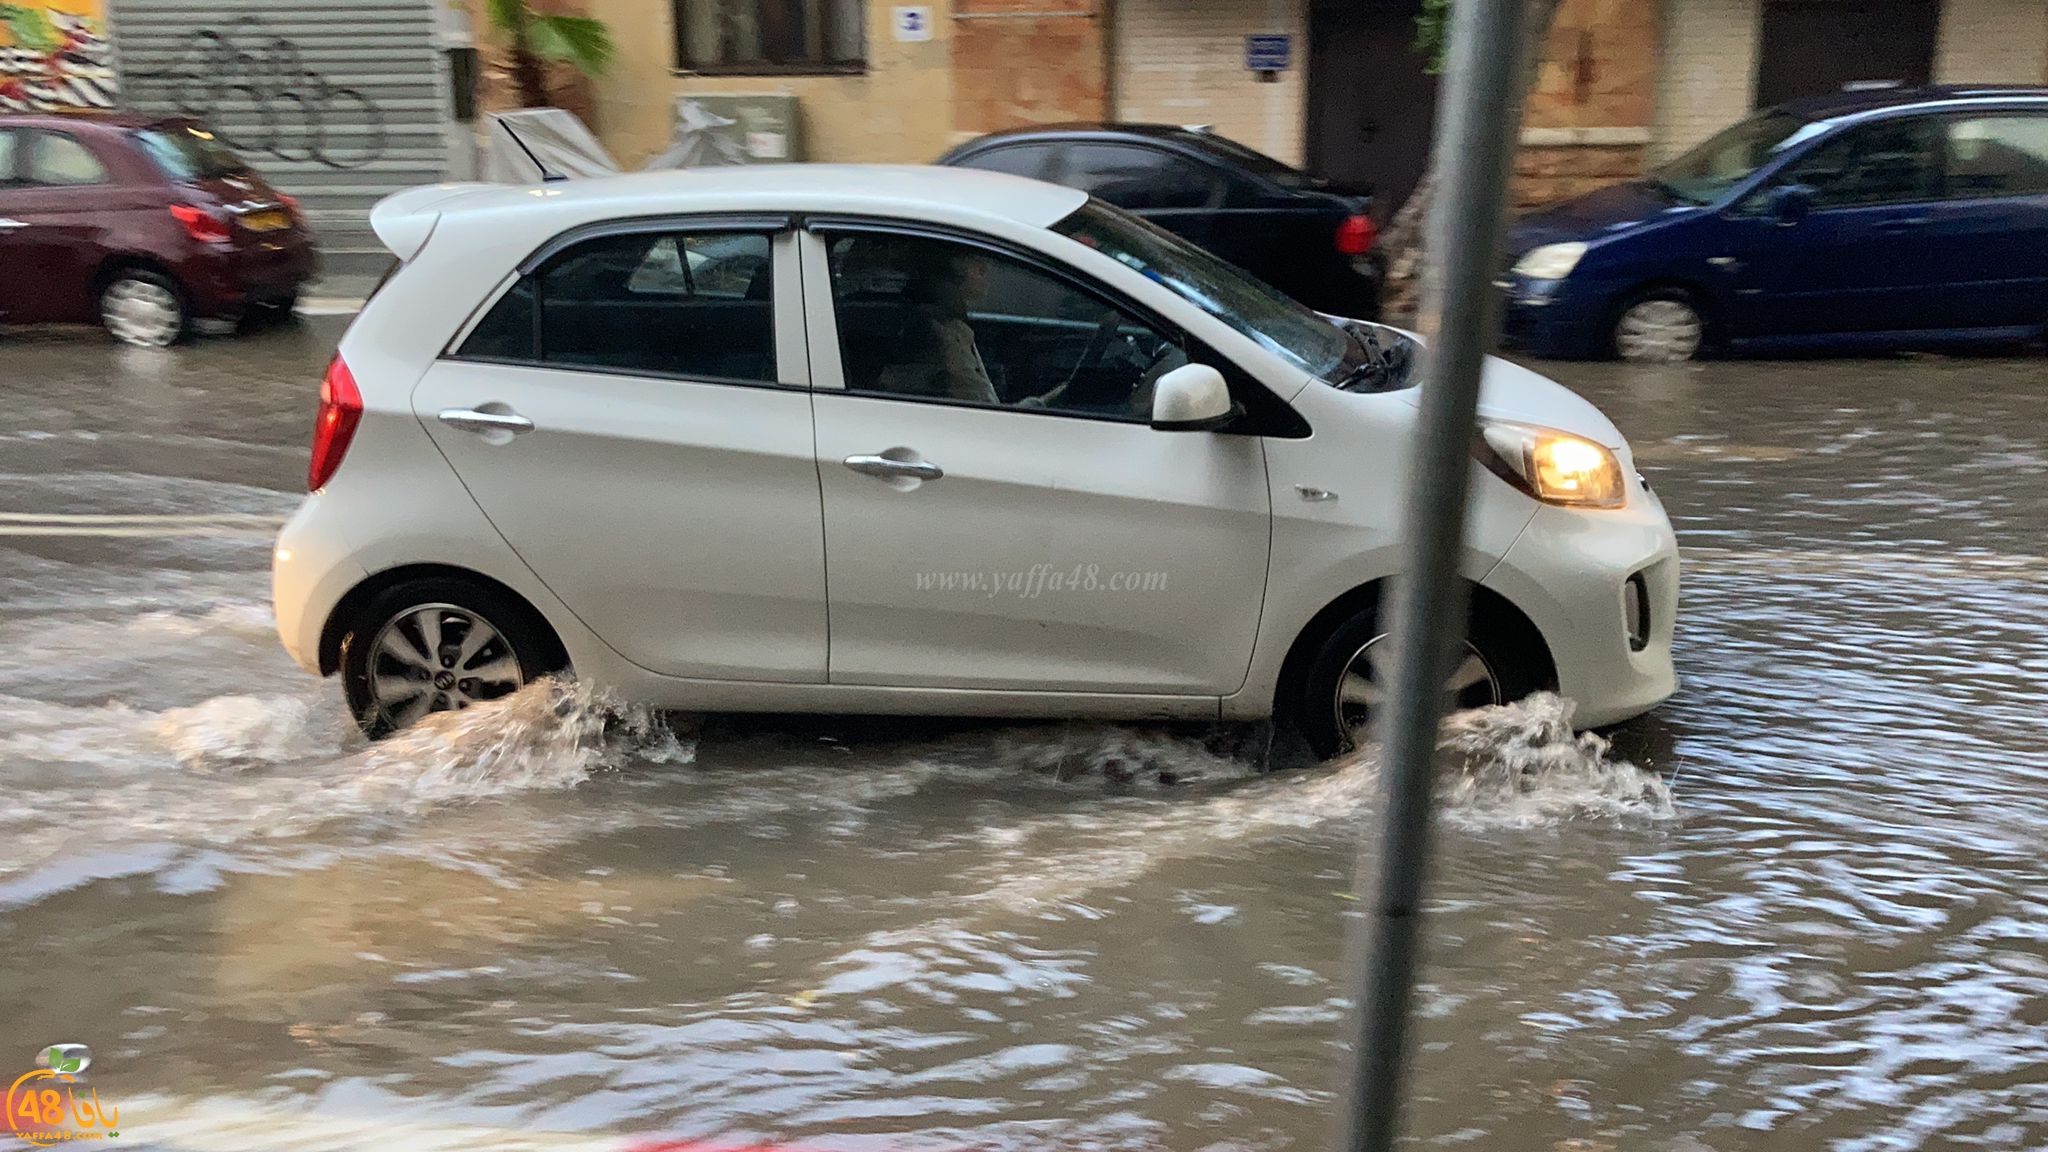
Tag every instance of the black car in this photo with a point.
(1282, 225)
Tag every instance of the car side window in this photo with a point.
(9, 153)
(1996, 156)
(56, 158)
(1890, 162)
(1139, 178)
(1032, 160)
(699, 305)
(940, 320)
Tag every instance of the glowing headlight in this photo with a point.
(1555, 467)
(1550, 261)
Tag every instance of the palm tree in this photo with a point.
(537, 39)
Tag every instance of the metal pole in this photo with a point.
(1474, 138)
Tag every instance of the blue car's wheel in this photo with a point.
(1662, 327)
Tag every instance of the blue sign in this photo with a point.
(1268, 53)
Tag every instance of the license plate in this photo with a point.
(275, 221)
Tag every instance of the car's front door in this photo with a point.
(999, 513)
(633, 416)
(1861, 259)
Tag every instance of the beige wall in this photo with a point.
(1708, 78)
(1182, 62)
(1994, 40)
(901, 109)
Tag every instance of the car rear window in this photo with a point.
(1251, 160)
(187, 152)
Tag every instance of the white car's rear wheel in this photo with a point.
(438, 645)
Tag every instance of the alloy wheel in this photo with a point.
(1362, 688)
(438, 658)
(1658, 332)
(142, 312)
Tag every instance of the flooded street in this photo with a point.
(1803, 905)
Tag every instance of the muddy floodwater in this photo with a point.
(1804, 905)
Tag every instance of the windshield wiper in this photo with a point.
(1378, 366)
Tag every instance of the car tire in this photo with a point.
(1504, 660)
(1663, 326)
(144, 309)
(434, 619)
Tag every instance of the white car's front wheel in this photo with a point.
(1502, 660)
(438, 645)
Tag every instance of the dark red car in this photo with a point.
(144, 224)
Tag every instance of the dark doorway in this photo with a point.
(1813, 47)
(1371, 99)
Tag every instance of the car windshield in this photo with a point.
(1251, 160)
(1297, 334)
(1729, 156)
(188, 152)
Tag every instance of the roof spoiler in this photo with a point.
(404, 220)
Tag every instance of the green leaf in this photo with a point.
(71, 1065)
(509, 16)
(580, 41)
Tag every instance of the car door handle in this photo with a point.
(8, 224)
(888, 468)
(1907, 223)
(473, 420)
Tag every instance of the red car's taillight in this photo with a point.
(201, 224)
(291, 205)
(341, 409)
(1355, 235)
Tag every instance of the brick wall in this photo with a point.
(1028, 62)
(1708, 78)
(1587, 122)
(1182, 62)
(1996, 40)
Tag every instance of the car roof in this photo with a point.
(1089, 130)
(896, 190)
(93, 118)
(1836, 105)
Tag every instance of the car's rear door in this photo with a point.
(1049, 541)
(632, 414)
(61, 204)
(14, 290)
(1989, 234)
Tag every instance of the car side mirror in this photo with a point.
(1789, 204)
(1192, 398)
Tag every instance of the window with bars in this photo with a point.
(770, 36)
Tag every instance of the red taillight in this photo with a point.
(203, 226)
(341, 409)
(1355, 235)
(291, 205)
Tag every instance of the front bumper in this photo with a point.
(1569, 571)
(1554, 319)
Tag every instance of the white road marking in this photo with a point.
(329, 306)
(247, 524)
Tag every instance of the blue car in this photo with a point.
(1851, 222)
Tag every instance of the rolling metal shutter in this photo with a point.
(337, 102)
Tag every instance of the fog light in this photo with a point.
(1635, 612)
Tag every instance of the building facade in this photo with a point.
(1621, 84)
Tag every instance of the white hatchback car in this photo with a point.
(915, 440)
